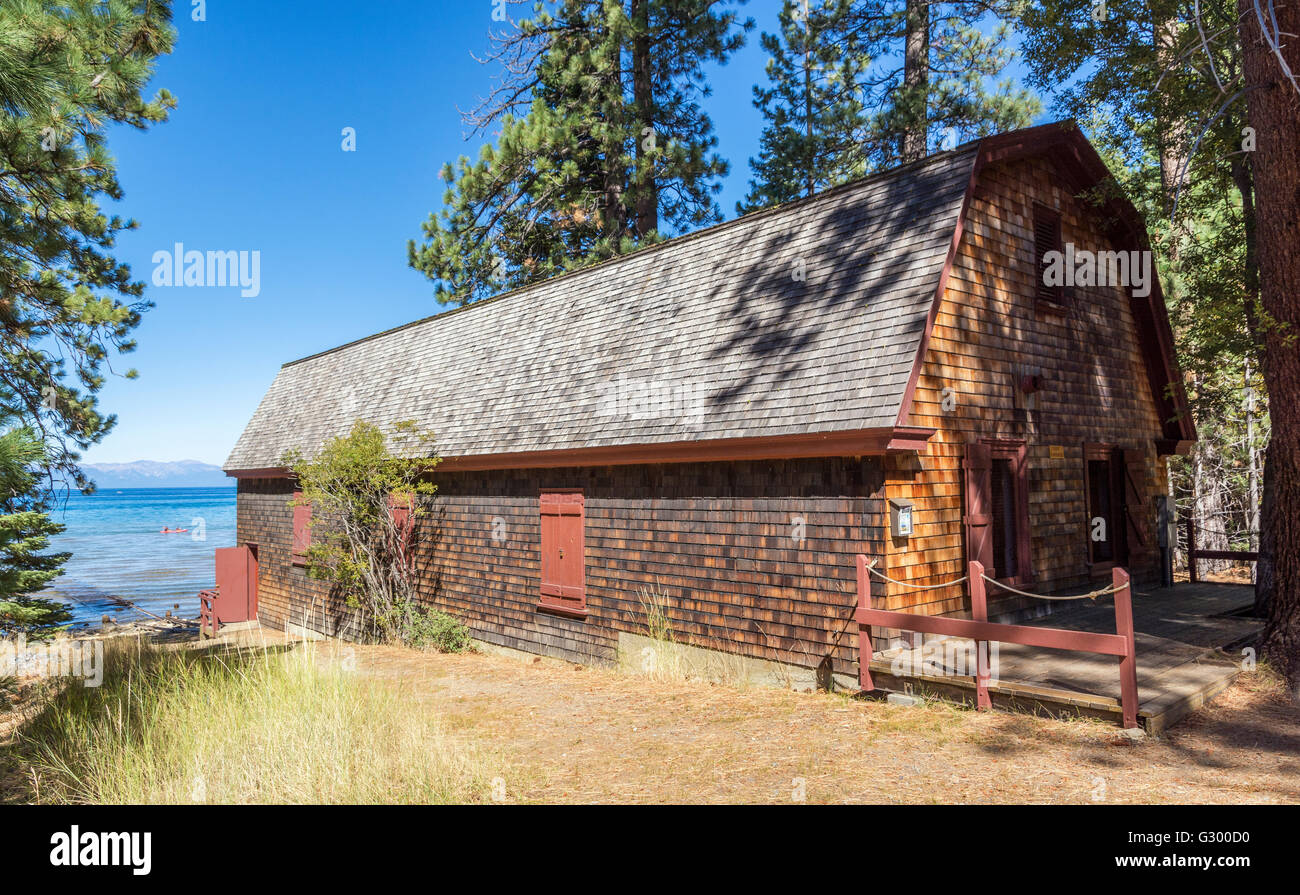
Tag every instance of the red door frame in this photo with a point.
(978, 517)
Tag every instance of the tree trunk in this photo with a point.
(1252, 464)
(1245, 183)
(1208, 505)
(1274, 108)
(1267, 542)
(810, 184)
(645, 189)
(1173, 135)
(916, 81)
(613, 219)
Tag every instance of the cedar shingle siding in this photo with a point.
(839, 320)
(715, 538)
(990, 331)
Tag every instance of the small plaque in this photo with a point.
(1057, 451)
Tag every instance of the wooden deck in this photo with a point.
(1188, 651)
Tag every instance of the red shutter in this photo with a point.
(979, 507)
(1134, 502)
(301, 530)
(399, 507)
(563, 584)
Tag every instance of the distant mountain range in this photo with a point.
(155, 474)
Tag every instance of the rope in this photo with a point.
(1093, 595)
(871, 567)
(1088, 596)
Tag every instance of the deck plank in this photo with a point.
(1181, 663)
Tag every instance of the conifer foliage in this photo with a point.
(25, 530)
(68, 71)
(813, 108)
(861, 85)
(602, 144)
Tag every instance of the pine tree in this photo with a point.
(1271, 81)
(932, 77)
(68, 71)
(812, 106)
(1154, 84)
(933, 82)
(898, 79)
(25, 530)
(603, 145)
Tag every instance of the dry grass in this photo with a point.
(663, 660)
(248, 726)
(548, 731)
(574, 734)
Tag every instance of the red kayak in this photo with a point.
(173, 531)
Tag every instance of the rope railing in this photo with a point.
(1091, 595)
(1122, 644)
(871, 567)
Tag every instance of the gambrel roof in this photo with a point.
(796, 329)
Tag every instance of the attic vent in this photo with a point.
(1047, 238)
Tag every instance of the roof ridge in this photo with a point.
(838, 189)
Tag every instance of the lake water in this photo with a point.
(118, 550)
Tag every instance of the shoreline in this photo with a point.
(108, 606)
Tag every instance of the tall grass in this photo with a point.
(182, 726)
(668, 661)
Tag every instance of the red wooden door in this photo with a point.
(1132, 500)
(236, 583)
(563, 583)
(979, 511)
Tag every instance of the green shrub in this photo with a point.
(427, 628)
(360, 542)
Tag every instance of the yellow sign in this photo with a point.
(1058, 452)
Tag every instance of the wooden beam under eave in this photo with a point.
(1173, 447)
(849, 443)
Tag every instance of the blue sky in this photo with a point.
(252, 160)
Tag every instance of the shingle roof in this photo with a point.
(707, 336)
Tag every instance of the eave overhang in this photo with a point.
(848, 443)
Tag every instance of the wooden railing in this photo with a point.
(1193, 554)
(1120, 644)
(209, 623)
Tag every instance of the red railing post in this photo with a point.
(1191, 549)
(1128, 682)
(208, 618)
(979, 611)
(864, 631)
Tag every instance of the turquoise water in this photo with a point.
(118, 550)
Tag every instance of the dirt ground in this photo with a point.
(554, 732)
(566, 734)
